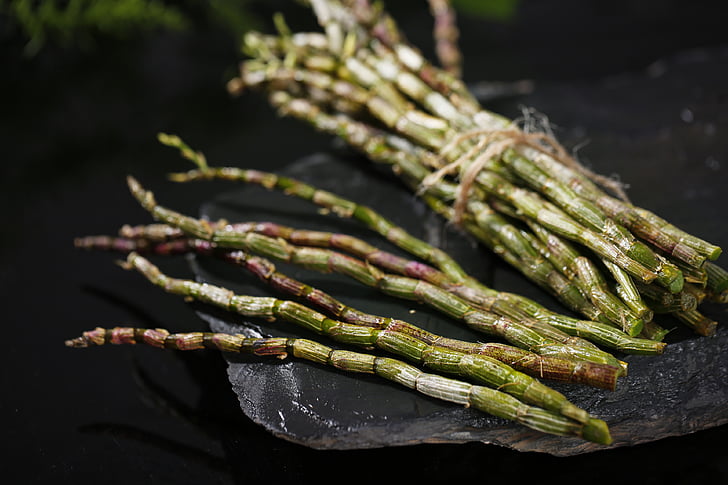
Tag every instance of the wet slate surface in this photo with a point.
(673, 167)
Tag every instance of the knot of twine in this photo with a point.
(492, 143)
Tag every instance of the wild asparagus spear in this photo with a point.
(479, 367)
(552, 368)
(479, 397)
(700, 323)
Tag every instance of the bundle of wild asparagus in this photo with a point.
(515, 189)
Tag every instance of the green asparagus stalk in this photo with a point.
(479, 397)
(478, 367)
(717, 278)
(699, 323)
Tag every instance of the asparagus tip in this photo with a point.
(177, 177)
(76, 342)
(236, 86)
(597, 431)
(126, 263)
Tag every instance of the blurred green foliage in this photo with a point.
(78, 23)
(495, 10)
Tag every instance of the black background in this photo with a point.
(74, 123)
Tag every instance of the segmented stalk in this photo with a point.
(698, 322)
(479, 397)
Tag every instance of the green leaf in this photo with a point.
(498, 10)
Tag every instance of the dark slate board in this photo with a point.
(633, 122)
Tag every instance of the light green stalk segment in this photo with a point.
(482, 398)
(711, 251)
(693, 275)
(629, 293)
(487, 370)
(696, 321)
(662, 301)
(717, 278)
(653, 331)
(604, 300)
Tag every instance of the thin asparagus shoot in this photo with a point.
(481, 398)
